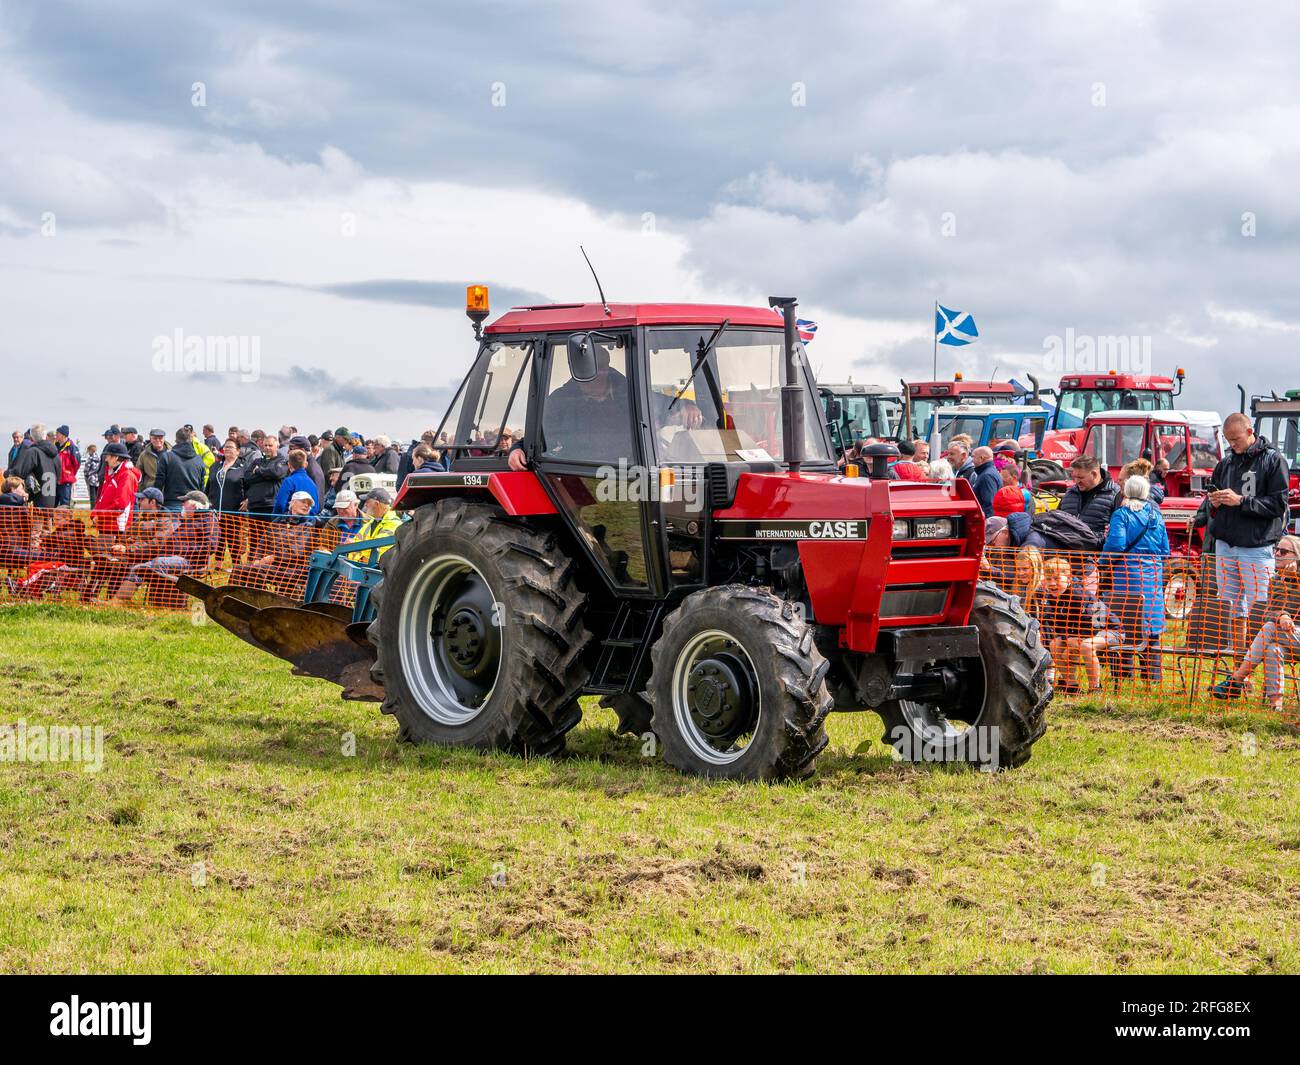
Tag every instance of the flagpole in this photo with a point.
(936, 341)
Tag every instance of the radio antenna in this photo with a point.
(603, 302)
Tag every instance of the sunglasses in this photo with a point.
(1282, 552)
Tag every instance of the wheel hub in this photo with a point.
(719, 696)
(466, 641)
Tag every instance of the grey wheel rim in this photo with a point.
(451, 642)
(717, 702)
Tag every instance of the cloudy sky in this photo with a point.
(324, 179)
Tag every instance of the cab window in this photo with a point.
(588, 421)
(497, 392)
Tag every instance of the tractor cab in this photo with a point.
(1080, 396)
(1189, 442)
(856, 413)
(922, 398)
(989, 425)
(1277, 420)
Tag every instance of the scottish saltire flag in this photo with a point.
(806, 326)
(954, 327)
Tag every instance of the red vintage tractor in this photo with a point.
(1191, 444)
(672, 536)
(1082, 395)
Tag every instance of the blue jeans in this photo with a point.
(1243, 574)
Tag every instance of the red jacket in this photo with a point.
(116, 501)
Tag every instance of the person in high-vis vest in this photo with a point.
(202, 450)
(381, 520)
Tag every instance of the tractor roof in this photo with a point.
(1190, 417)
(989, 410)
(1139, 382)
(854, 389)
(564, 317)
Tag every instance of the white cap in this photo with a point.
(301, 495)
(346, 498)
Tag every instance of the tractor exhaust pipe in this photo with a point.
(1034, 397)
(791, 388)
(1242, 391)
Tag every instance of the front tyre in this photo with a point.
(478, 632)
(737, 687)
(1006, 694)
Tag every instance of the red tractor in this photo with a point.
(1082, 395)
(1191, 444)
(922, 398)
(673, 536)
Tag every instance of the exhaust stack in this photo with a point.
(791, 389)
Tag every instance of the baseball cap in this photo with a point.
(342, 430)
(360, 449)
(380, 495)
(346, 498)
(299, 441)
(150, 493)
(112, 430)
(299, 496)
(993, 526)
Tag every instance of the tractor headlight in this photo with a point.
(902, 529)
(936, 529)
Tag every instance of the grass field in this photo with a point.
(228, 830)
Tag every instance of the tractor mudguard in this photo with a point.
(519, 492)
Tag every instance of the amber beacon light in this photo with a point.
(476, 306)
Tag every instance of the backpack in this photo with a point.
(1065, 531)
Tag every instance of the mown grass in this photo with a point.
(228, 831)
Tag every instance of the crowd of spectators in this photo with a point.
(256, 503)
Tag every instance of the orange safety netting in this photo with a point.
(72, 556)
(1149, 628)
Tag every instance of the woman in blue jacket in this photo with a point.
(1137, 545)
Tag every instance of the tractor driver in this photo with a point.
(585, 420)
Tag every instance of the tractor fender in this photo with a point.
(519, 492)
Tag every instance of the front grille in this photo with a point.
(913, 600)
(905, 550)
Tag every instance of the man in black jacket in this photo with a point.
(180, 471)
(38, 465)
(261, 483)
(1248, 515)
(1093, 497)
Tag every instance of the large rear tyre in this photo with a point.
(738, 688)
(478, 631)
(1007, 694)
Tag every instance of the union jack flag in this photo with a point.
(806, 326)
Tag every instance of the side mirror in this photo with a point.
(582, 357)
